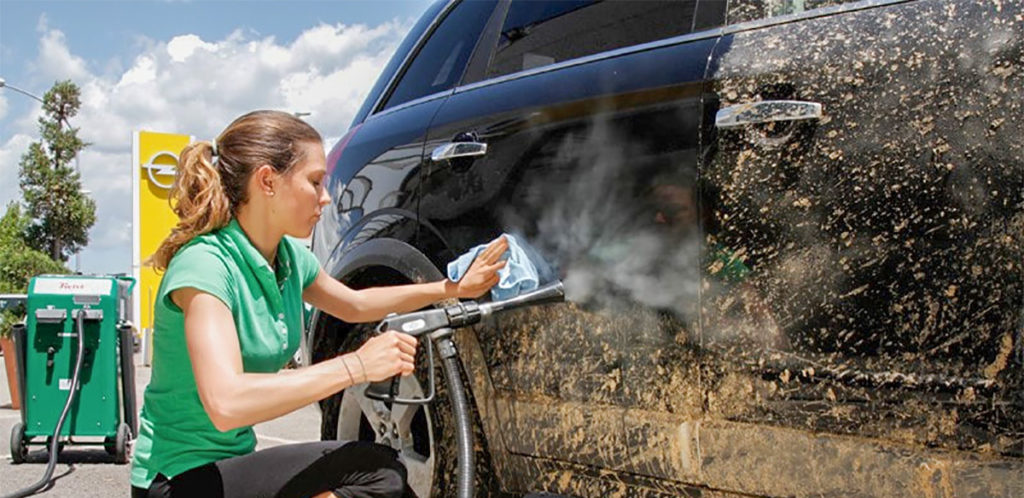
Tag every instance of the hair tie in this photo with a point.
(213, 147)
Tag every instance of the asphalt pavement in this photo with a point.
(87, 471)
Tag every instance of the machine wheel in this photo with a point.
(60, 445)
(124, 436)
(18, 449)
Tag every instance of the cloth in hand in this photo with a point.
(519, 275)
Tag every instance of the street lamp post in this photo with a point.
(3, 84)
(78, 169)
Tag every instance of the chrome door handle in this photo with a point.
(452, 150)
(766, 111)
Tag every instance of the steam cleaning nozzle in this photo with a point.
(552, 293)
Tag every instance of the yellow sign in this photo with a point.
(154, 166)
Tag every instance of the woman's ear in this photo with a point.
(265, 178)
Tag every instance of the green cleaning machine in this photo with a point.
(76, 372)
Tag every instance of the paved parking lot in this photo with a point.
(87, 471)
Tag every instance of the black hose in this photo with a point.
(463, 428)
(31, 490)
(128, 379)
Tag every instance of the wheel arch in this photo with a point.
(397, 260)
(389, 261)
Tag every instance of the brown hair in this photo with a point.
(212, 176)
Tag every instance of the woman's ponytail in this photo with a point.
(212, 176)
(198, 198)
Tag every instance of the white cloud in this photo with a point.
(181, 47)
(10, 156)
(144, 71)
(55, 61)
(43, 24)
(195, 86)
(28, 123)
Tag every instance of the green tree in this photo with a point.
(61, 214)
(18, 261)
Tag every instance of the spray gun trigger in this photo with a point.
(385, 323)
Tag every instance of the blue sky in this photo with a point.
(182, 67)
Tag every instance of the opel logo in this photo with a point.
(156, 171)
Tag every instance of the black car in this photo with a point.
(790, 232)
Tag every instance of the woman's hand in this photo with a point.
(385, 356)
(483, 272)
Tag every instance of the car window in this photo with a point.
(751, 10)
(537, 34)
(397, 58)
(439, 64)
(710, 14)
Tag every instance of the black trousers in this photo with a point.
(356, 469)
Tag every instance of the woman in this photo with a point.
(228, 316)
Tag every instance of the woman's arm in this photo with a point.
(373, 304)
(233, 398)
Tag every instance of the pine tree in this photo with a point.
(61, 214)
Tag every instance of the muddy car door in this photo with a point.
(862, 271)
(558, 137)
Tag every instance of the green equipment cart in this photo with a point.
(61, 311)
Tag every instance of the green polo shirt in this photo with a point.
(175, 433)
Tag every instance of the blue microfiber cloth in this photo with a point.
(522, 273)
